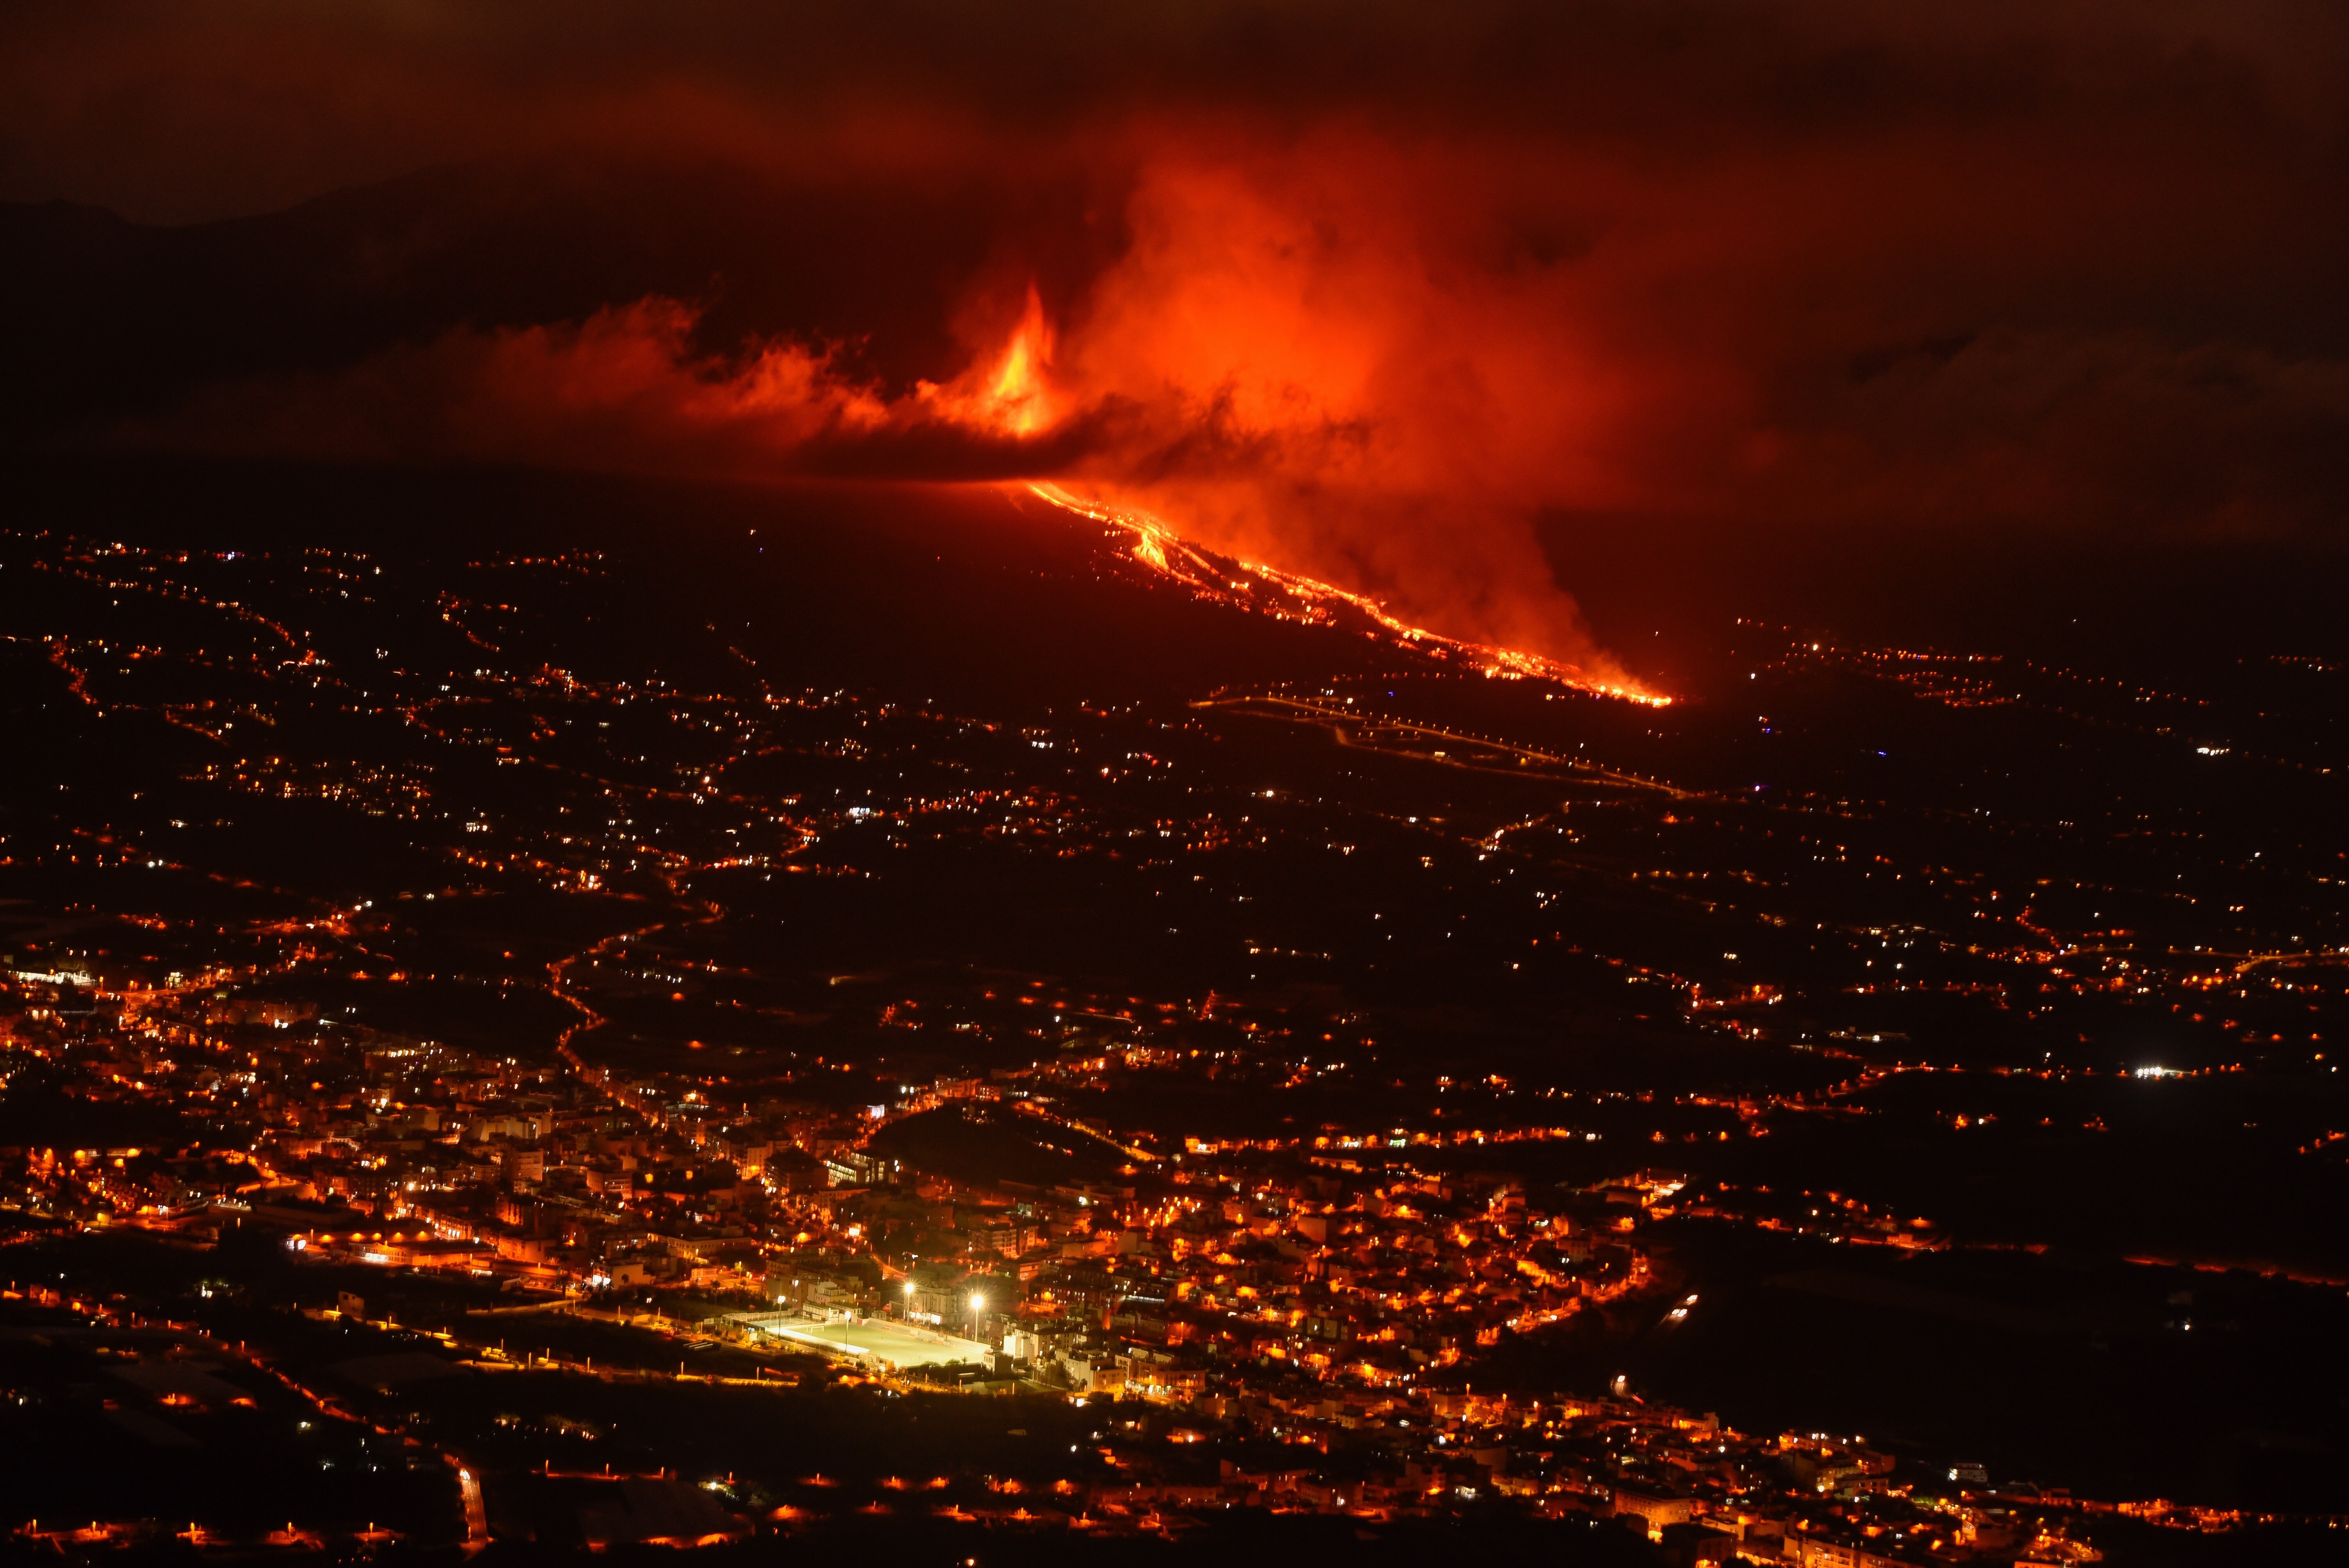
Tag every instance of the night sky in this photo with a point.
(1477, 307)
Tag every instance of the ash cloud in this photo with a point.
(1363, 291)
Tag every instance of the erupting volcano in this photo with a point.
(1016, 398)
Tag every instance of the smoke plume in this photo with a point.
(1378, 293)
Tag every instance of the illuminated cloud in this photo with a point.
(1362, 291)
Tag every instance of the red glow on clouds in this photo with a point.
(1485, 289)
(1278, 366)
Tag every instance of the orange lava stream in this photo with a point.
(1160, 548)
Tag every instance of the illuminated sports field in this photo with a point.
(885, 1340)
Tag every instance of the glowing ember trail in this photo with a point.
(1270, 590)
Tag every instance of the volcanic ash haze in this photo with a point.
(1279, 362)
(1412, 300)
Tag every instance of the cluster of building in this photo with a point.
(1312, 1297)
(1710, 1494)
(391, 1149)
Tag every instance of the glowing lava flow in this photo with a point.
(1160, 548)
